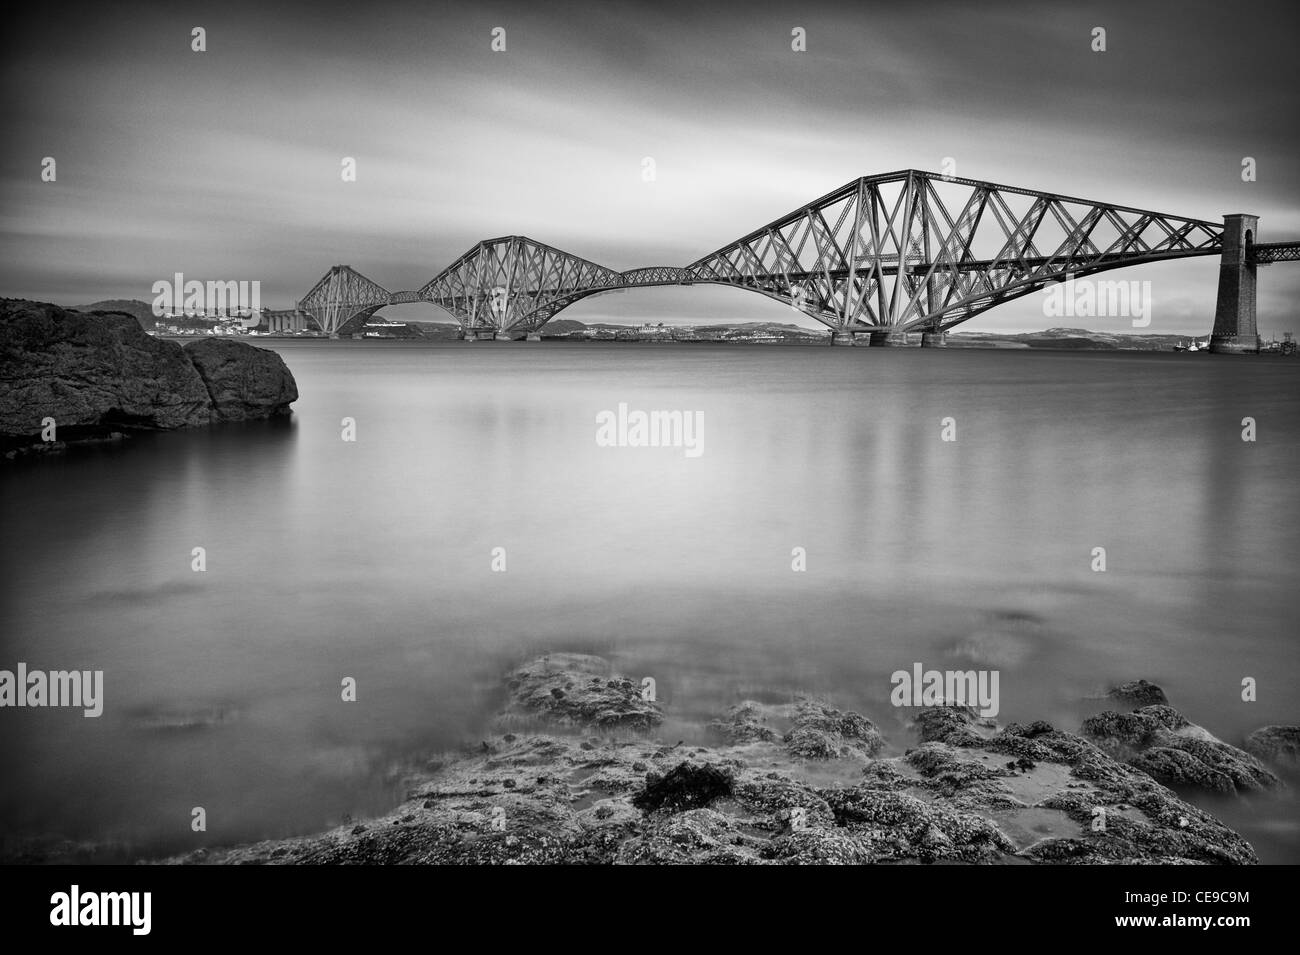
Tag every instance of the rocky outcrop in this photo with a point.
(576, 689)
(244, 382)
(96, 370)
(971, 791)
(822, 732)
(815, 729)
(1161, 742)
(99, 374)
(1137, 693)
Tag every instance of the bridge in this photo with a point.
(879, 258)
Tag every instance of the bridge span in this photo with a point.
(880, 257)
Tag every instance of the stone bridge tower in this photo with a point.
(1234, 316)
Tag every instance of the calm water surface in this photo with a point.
(328, 559)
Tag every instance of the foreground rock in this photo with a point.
(790, 784)
(99, 374)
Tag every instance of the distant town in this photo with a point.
(292, 323)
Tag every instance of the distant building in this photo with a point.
(285, 321)
(659, 332)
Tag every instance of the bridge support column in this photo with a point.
(1234, 314)
(893, 339)
(503, 337)
(533, 337)
(934, 339)
(839, 337)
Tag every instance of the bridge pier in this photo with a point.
(934, 339)
(533, 337)
(891, 339)
(503, 337)
(840, 337)
(1234, 314)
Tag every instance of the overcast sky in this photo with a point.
(226, 164)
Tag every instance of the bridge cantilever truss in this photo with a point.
(897, 252)
(913, 250)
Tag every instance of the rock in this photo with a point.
(971, 792)
(823, 732)
(1137, 693)
(745, 723)
(901, 826)
(560, 688)
(1137, 729)
(98, 372)
(1177, 767)
(243, 381)
(686, 786)
(1276, 744)
(99, 375)
(1161, 742)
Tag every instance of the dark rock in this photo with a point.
(94, 371)
(99, 375)
(243, 381)
(686, 786)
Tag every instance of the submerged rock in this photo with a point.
(578, 689)
(746, 722)
(1276, 744)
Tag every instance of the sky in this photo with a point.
(226, 164)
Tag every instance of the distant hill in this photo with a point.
(143, 312)
(1062, 338)
(1072, 338)
(437, 331)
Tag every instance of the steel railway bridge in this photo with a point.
(877, 259)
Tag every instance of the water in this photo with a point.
(372, 559)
